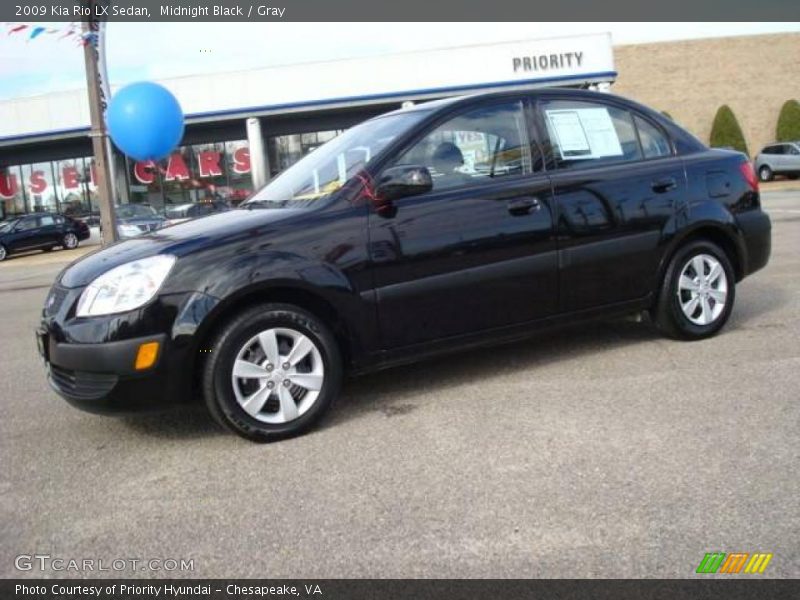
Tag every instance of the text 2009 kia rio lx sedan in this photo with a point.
(451, 223)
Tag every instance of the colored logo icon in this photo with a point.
(720, 562)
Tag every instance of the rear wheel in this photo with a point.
(765, 173)
(697, 293)
(273, 372)
(69, 241)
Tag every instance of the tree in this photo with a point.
(788, 129)
(725, 132)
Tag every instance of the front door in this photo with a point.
(616, 184)
(24, 236)
(477, 251)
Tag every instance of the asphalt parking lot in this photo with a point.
(600, 451)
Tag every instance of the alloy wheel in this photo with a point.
(277, 375)
(2, 253)
(702, 289)
(70, 241)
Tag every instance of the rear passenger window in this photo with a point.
(589, 133)
(654, 142)
(46, 221)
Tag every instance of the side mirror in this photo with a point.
(402, 181)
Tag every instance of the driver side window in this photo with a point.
(26, 224)
(477, 146)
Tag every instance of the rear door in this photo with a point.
(477, 251)
(616, 183)
(789, 158)
(48, 231)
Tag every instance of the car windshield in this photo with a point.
(128, 211)
(6, 226)
(330, 166)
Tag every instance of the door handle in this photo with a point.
(523, 205)
(664, 184)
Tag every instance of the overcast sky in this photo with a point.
(139, 51)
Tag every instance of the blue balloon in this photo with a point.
(145, 121)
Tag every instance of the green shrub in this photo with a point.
(725, 132)
(788, 129)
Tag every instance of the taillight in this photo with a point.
(749, 175)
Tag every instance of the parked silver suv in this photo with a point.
(779, 159)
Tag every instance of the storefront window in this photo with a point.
(217, 172)
(40, 187)
(211, 178)
(237, 165)
(144, 183)
(12, 197)
(73, 181)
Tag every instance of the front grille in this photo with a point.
(81, 385)
(54, 301)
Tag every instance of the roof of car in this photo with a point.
(539, 92)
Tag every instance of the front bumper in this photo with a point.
(90, 362)
(102, 378)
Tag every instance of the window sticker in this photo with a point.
(584, 133)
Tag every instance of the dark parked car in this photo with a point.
(41, 231)
(458, 222)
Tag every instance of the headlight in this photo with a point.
(129, 230)
(125, 287)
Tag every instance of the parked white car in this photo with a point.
(778, 159)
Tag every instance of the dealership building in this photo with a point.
(45, 150)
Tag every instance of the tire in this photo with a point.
(765, 173)
(69, 241)
(3, 253)
(271, 416)
(676, 298)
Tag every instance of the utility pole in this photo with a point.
(100, 142)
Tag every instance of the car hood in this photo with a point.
(183, 239)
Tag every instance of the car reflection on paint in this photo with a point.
(135, 219)
(191, 210)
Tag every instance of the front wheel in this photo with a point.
(272, 373)
(697, 293)
(69, 241)
(3, 253)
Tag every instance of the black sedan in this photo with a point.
(430, 229)
(42, 231)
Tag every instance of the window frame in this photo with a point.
(427, 127)
(547, 146)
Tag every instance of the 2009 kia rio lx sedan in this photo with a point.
(450, 223)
